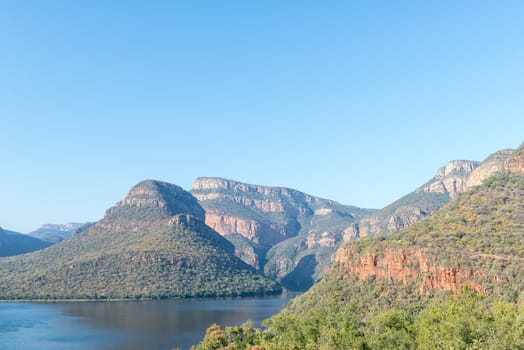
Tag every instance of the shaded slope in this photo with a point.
(14, 243)
(145, 247)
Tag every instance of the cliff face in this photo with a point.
(264, 215)
(451, 178)
(264, 233)
(476, 241)
(515, 164)
(282, 224)
(494, 163)
(407, 266)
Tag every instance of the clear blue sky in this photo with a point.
(357, 101)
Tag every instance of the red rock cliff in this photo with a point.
(407, 266)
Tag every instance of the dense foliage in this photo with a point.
(446, 322)
(482, 229)
(159, 260)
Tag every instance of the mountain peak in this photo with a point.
(492, 164)
(155, 200)
(450, 178)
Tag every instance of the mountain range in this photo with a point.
(288, 234)
(453, 280)
(292, 236)
(285, 234)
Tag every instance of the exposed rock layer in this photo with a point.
(288, 223)
(407, 266)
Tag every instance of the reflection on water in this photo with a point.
(125, 324)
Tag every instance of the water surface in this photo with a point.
(129, 325)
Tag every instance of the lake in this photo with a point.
(131, 325)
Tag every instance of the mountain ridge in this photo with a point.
(146, 246)
(453, 280)
(280, 226)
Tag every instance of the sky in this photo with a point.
(356, 101)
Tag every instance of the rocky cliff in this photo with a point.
(408, 266)
(282, 225)
(451, 178)
(265, 215)
(476, 240)
(515, 163)
(492, 164)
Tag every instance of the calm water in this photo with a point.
(125, 324)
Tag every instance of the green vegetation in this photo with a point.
(427, 202)
(153, 244)
(161, 261)
(152, 200)
(481, 230)
(446, 322)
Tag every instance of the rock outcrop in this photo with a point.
(407, 266)
(251, 206)
(150, 201)
(434, 194)
(282, 224)
(494, 163)
(260, 232)
(475, 241)
(515, 164)
(451, 178)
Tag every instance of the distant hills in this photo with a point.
(152, 244)
(14, 243)
(54, 233)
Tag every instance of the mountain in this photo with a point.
(54, 233)
(491, 165)
(14, 243)
(286, 233)
(454, 280)
(152, 244)
(447, 183)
